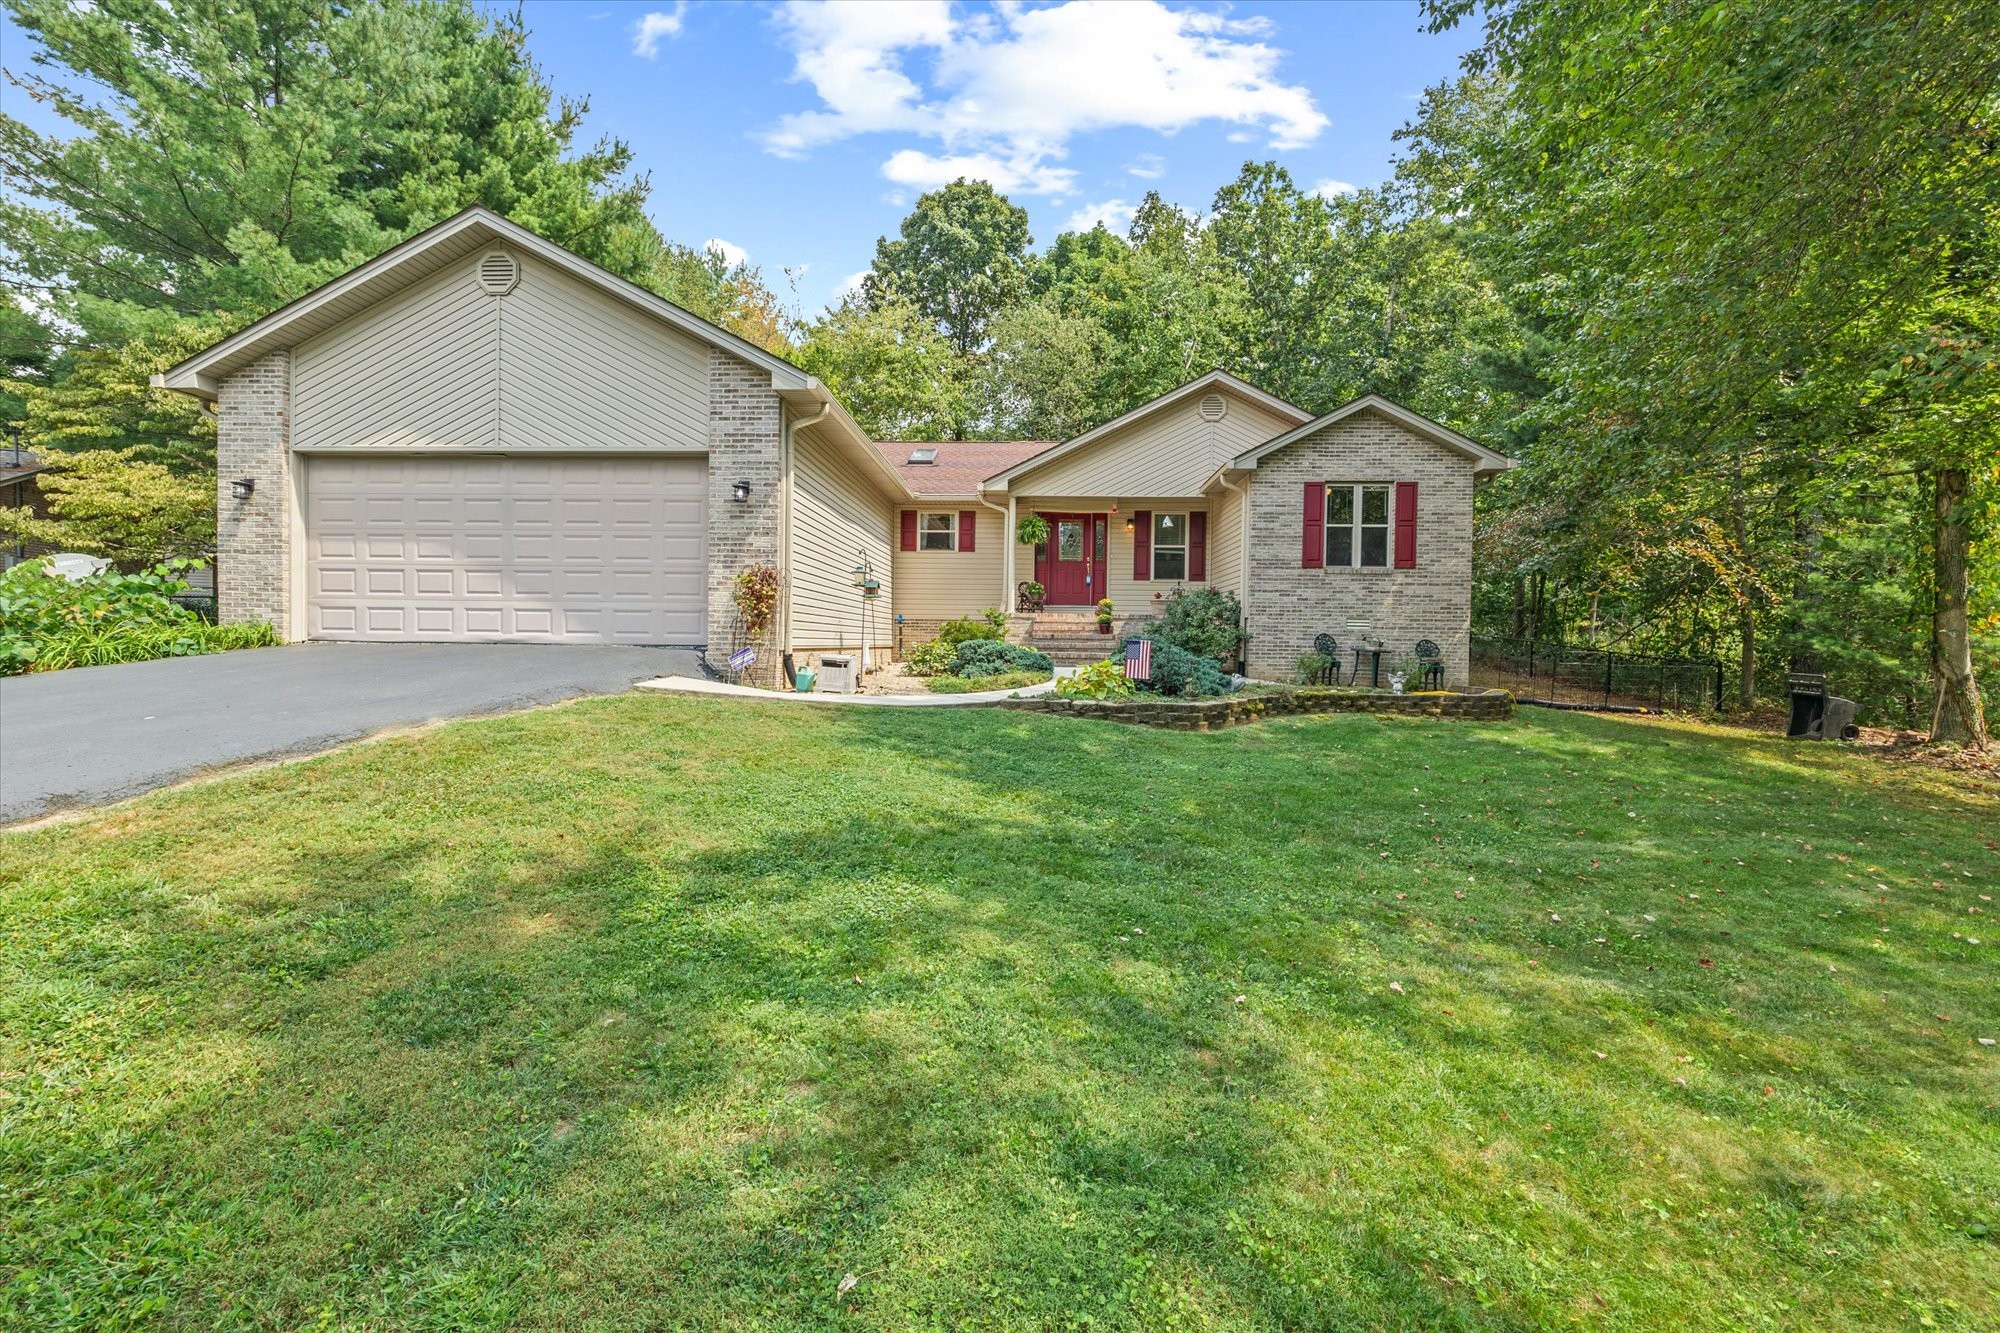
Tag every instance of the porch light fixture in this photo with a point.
(739, 491)
(242, 488)
(1128, 523)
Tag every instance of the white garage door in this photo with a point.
(574, 550)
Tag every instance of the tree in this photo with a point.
(233, 154)
(1733, 217)
(116, 504)
(103, 401)
(960, 259)
(892, 368)
(1041, 380)
(27, 347)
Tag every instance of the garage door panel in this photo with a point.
(605, 550)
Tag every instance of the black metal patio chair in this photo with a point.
(1430, 666)
(1326, 646)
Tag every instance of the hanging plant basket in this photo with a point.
(1031, 530)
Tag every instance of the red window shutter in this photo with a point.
(968, 523)
(1142, 544)
(1198, 547)
(1406, 525)
(1312, 553)
(909, 529)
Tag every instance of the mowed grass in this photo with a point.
(653, 1013)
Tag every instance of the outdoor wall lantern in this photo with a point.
(739, 491)
(1128, 523)
(242, 488)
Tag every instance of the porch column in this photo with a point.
(1007, 565)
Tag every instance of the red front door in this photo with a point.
(1071, 563)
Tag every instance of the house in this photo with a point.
(19, 490)
(480, 436)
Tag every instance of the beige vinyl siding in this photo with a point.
(553, 364)
(1130, 596)
(1225, 542)
(837, 517)
(1172, 452)
(938, 585)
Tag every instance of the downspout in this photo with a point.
(1006, 547)
(785, 528)
(1242, 556)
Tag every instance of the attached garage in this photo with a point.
(556, 550)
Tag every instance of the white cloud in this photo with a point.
(1147, 167)
(1007, 89)
(1115, 214)
(1024, 173)
(851, 285)
(1331, 189)
(732, 254)
(650, 28)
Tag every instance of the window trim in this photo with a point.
(1182, 546)
(949, 532)
(1355, 527)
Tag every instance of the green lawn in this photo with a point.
(650, 1013)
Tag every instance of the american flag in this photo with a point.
(1139, 659)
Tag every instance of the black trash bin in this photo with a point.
(1816, 715)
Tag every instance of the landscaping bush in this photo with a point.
(930, 659)
(1011, 680)
(1313, 668)
(1099, 680)
(990, 657)
(1178, 672)
(1205, 622)
(989, 624)
(48, 622)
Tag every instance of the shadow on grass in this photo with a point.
(951, 1005)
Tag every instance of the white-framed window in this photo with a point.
(1170, 543)
(1358, 519)
(937, 532)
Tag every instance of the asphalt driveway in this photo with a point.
(96, 734)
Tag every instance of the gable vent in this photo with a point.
(498, 272)
(1212, 407)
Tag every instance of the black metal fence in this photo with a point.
(1544, 671)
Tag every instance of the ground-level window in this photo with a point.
(1357, 525)
(1170, 541)
(937, 532)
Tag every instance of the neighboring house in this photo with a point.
(20, 490)
(478, 435)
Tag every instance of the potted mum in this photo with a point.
(1104, 616)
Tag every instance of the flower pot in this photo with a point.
(1103, 627)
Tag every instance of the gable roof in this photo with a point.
(1215, 379)
(463, 234)
(960, 467)
(1485, 460)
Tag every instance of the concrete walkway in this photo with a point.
(694, 685)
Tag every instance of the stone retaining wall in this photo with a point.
(1215, 714)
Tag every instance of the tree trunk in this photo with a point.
(1746, 670)
(1520, 606)
(1958, 714)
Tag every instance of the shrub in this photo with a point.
(1012, 680)
(1205, 622)
(1179, 673)
(990, 657)
(989, 624)
(755, 592)
(1099, 680)
(48, 622)
(929, 659)
(1313, 668)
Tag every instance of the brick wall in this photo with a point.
(744, 444)
(253, 537)
(1289, 605)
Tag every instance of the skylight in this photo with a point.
(923, 455)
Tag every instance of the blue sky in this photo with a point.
(797, 134)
